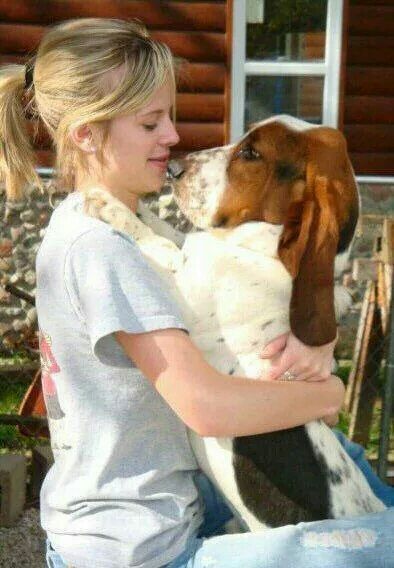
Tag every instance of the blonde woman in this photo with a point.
(121, 377)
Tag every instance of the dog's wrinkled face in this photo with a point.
(203, 183)
(297, 176)
(230, 185)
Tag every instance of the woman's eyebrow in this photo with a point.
(157, 112)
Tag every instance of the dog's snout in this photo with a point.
(220, 221)
(175, 168)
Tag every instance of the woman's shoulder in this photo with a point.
(72, 226)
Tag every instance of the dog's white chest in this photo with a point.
(237, 299)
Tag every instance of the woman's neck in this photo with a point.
(128, 198)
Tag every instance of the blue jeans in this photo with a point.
(362, 542)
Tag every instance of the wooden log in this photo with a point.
(382, 297)
(387, 252)
(369, 110)
(372, 163)
(193, 46)
(200, 107)
(20, 38)
(365, 20)
(370, 50)
(366, 379)
(374, 81)
(358, 349)
(202, 77)
(192, 77)
(374, 3)
(370, 137)
(198, 136)
(7, 58)
(45, 159)
(171, 15)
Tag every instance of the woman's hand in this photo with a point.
(293, 360)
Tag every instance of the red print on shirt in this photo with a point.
(48, 367)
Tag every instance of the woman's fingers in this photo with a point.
(274, 347)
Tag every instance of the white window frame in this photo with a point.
(329, 69)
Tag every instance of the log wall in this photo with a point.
(368, 101)
(195, 31)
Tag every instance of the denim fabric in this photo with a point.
(362, 542)
(357, 453)
(53, 559)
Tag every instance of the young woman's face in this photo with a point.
(138, 148)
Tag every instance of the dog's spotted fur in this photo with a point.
(235, 292)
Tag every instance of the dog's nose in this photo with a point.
(220, 221)
(175, 169)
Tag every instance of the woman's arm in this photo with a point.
(214, 404)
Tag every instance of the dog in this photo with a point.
(278, 211)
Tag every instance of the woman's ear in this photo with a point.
(82, 137)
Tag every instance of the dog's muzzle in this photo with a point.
(175, 169)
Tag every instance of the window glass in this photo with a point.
(286, 30)
(296, 95)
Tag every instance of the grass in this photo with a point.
(12, 390)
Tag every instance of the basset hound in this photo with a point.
(278, 210)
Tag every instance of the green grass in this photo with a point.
(12, 390)
(343, 372)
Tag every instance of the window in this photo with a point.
(286, 59)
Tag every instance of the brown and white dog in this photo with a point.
(286, 204)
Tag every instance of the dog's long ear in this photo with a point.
(311, 234)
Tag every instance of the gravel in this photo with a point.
(23, 545)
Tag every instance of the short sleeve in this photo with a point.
(113, 288)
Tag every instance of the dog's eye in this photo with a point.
(249, 153)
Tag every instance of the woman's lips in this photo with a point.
(160, 163)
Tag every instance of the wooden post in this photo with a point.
(366, 372)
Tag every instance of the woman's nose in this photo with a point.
(170, 136)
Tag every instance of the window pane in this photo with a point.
(286, 30)
(299, 96)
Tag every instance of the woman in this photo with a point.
(121, 377)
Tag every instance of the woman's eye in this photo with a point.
(149, 127)
(249, 153)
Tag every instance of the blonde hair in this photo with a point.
(70, 88)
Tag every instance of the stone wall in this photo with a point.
(22, 227)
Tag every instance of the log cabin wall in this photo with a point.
(368, 91)
(195, 31)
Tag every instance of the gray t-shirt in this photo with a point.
(121, 491)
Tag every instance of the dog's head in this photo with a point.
(301, 179)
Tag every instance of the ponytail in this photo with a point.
(17, 159)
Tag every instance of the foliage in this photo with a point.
(11, 394)
(283, 17)
(286, 16)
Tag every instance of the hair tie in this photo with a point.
(29, 68)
